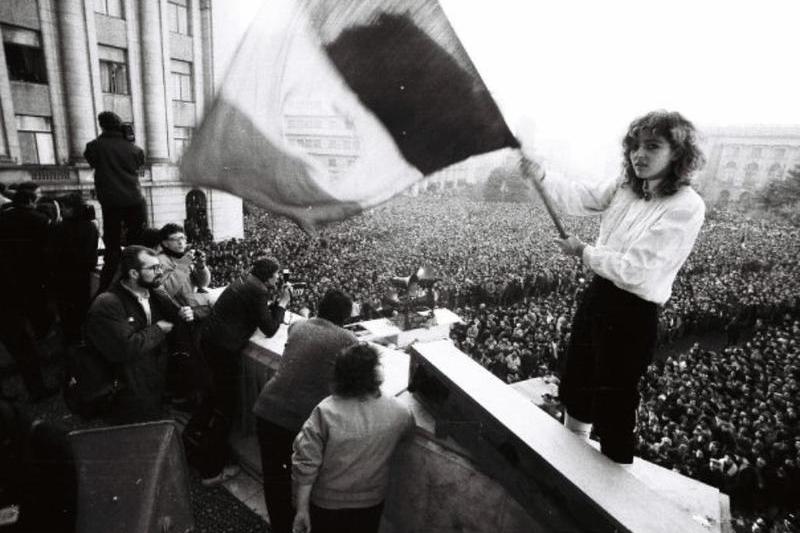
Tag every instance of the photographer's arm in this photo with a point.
(268, 316)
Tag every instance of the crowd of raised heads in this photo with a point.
(499, 271)
(729, 418)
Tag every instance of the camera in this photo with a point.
(287, 278)
(127, 131)
(198, 256)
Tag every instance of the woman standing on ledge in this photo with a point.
(650, 221)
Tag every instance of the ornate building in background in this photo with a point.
(150, 61)
(742, 160)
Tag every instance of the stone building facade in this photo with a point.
(742, 160)
(150, 61)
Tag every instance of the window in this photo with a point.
(36, 140)
(182, 86)
(775, 171)
(112, 8)
(25, 63)
(114, 77)
(750, 173)
(730, 171)
(755, 153)
(178, 13)
(183, 136)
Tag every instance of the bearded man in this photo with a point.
(128, 326)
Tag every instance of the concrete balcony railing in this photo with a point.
(485, 458)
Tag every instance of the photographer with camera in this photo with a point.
(186, 275)
(185, 278)
(116, 162)
(255, 301)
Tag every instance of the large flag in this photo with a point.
(333, 106)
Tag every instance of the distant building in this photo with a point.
(742, 160)
(330, 138)
(150, 61)
(472, 171)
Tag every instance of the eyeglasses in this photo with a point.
(158, 267)
(176, 238)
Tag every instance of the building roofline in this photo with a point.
(751, 130)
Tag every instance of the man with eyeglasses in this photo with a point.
(185, 270)
(128, 326)
(185, 277)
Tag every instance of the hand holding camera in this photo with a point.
(198, 257)
(286, 295)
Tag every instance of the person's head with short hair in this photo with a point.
(151, 238)
(335, 307)
(23, 197)
(356, 372)
(72, 205)
(676, 133)
(139, 266)
(173, 238)
(266, 269)
(109, 121)
(50, 208)
(30, 187)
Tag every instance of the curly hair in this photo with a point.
(356, 373)
(682, 137)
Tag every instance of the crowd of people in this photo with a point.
(498, 271)
(730, 417)
(727, 417)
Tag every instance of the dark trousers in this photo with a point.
(612, 342)
(275, 443)
(133, 218)
(72, 300)
(366, 520)
(214, 417)
(18, 334)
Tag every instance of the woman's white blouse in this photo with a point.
(642, 244)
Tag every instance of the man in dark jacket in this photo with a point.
(23, 237)
(243, 306)
(73, 258)
(116, 162)
(303, 380)
(128, 326)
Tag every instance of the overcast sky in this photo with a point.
(577, 72)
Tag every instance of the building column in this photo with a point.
(77, 77)
(207, 53)
(154, 93)
(48, 18)
(9, 146)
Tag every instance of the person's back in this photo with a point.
(116, 163)
(362, 434)
(23, 236)
(304, 376)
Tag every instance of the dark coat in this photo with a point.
(116, 327)
(241, 308)
(116, 162)
(23, 238)
(73, 252)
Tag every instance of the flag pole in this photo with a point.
(548, 203)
